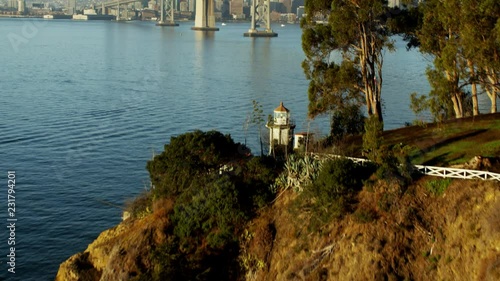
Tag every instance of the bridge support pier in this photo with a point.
(205, 18)
(260, 12)
(167, 10)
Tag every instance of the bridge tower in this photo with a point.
(205, 18)
(260, 13)
(167, 9)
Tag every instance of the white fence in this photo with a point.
(433, 171)
(457, 173)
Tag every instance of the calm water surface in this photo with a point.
(85, 104)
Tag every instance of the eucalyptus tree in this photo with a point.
(439, 36)
(344, 56)
(480, 23)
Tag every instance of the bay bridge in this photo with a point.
(205, 16)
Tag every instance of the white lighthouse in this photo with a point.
(280, 131)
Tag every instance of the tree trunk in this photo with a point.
(494, 104)
(491, 90)
(457, 105)
(475, 106)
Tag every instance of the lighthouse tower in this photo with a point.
(280, 131)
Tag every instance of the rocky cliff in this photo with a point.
(391, 235)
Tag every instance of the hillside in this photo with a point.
(340, 222)
(388, 236)
(412, 236)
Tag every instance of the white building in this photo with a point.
(21, 6)
(280, 131)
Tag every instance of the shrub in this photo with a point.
(257, 176)
(140, 206)
(331, 193)
(364, 215)
(438, 187)
(187, 156)
(349, 120)
(211, 213)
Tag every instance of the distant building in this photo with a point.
(300, 12)
(21, 6)
(218, 5)
(12, 4)
(71, 7)
(37, 5)
(287, 6)
(236, 8)
(277, 7)
(89, 12)
(295, 5)
(152, 5)
(183, 6)
(191, 6)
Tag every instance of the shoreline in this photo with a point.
(19, 16)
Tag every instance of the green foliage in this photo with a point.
(419, 104)
(331, 193)
(189, 156)
(344, 57)
(345, 122)
(258, 175)
(169, 263)
(406, 22)
(210, 212)
(372, 139)
(459, 35)
(392, 162)
(438, 187)
(215, 190)
(363, 215)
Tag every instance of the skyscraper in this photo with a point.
(12, 4)
(71, 7)
(21, 6)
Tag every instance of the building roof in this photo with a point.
(281, 108)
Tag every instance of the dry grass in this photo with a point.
(413, 235)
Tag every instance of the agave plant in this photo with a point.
(298, 173)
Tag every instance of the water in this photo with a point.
(85, 104)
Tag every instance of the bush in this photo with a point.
(438, 187)
(332, 192)
(140, 206)
(364, 215)
(187, 156)
(211, 213)
(349, 120)
(257, 176)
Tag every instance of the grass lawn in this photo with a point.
(448, 143)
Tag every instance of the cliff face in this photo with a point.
(412, 236)
(120, 253)
(390, 235)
